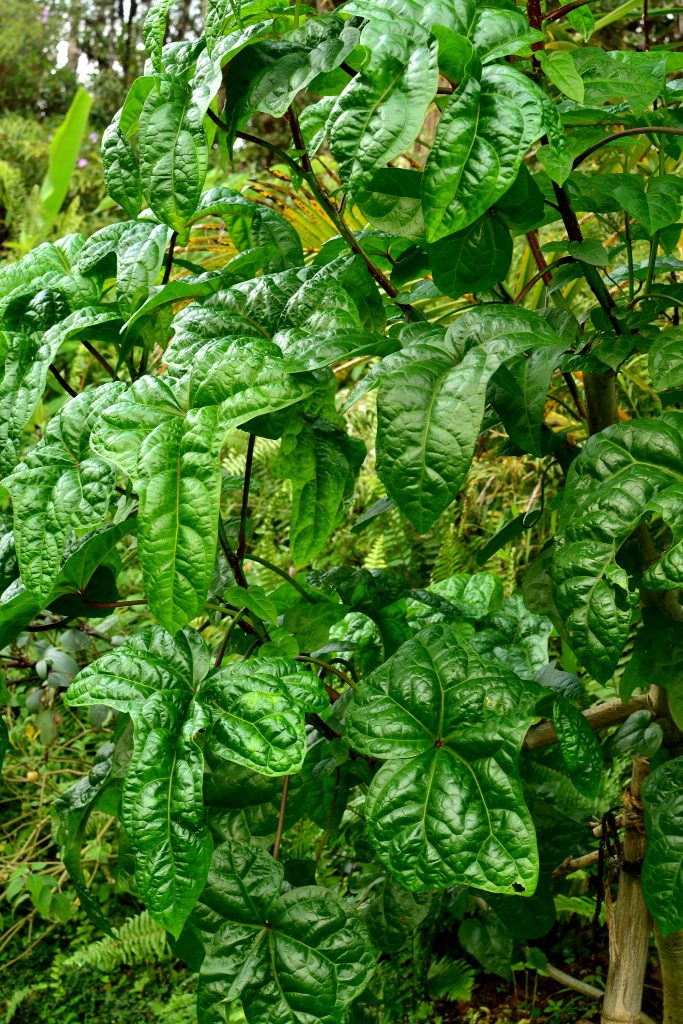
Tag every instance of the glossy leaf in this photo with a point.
(423, 449)
(483, 135)
(258, 711)
(322, 462)
(471, 260)
(174, 152)
(622, 474)
(447, 807)
(307, 954)
(662, 873)
(59, 488)
(319, 46)
(121, 171)
(152, 677)
(178, 481)
(380, 113)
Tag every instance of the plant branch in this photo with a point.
(281, 818)
(599, 717)
(561, 12)
(242, 539)
(643, 130)
(572, 864)
(100, 359)
(62, 383)
(328, 668)
(284, 575)
(169, 258)
(231, 557)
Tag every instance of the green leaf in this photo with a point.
(589, 251)
(308, 955)
(255, 599)
(471, 260)
(152, 677)
(579, 747)
(257, 710)
(174, 152)
(657, 208)
(319, 46)
(394, 914)
(662, 874)
(488, 940)
(390, 199)
(121, 171)
(447, 808)
(519, 393)
(59, 488)
(163, 809)
(482, 137)
(559, 67)
(154, 30)
(637, 77)
(322, 462)
(253, 225)
(622, 474)
(26, 367)
(423, 454)
(64, 149)
(666, 360)
(178, 481)
(140, 255)
(381, 111)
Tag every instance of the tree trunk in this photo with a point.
(630, 924)
(670, 949)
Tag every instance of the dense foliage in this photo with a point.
(259, 696)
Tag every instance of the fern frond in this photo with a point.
(20, 996)
(139, 939)
(451, 980)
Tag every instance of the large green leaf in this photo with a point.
(381, 111)
(139, 257)
(253, 714)
(322, 462)
(174, 152)
(121, 171)
(173, 460)
(663, 865)
(257, 709)
(26, 368)
(431, 404)
(163, 810)
(519, 395)
(178, 480)
(319, 46)
(483, 135)
(59, 488)
(471, 260)
(152, 677)
(623, 474)
(294, 956)
(154, 30)
(447, 807)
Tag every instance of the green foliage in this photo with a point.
(285, 405)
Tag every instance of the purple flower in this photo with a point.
(44, 15)
(94, 137)
(82, 162)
